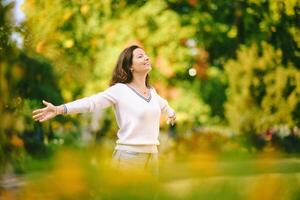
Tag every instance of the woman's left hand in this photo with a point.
(171, 119)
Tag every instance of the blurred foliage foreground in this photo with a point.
(86, 173)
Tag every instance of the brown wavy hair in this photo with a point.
(122, 73)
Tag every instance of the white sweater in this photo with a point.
(137, 116)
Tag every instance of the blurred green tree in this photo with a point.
(24, 81)
(262, 91)
(223, 26)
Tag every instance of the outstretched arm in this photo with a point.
(88, 104)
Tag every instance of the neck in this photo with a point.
(139, 80)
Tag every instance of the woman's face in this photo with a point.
(140, 61)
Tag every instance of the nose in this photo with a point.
(146, 58)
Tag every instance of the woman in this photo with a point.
(137, 109)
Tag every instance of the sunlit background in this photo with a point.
(230, 69)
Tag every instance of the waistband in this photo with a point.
(137, 148)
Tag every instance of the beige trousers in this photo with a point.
(136, 161)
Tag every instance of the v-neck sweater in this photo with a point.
(137, 117)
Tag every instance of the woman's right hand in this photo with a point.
(45, 113)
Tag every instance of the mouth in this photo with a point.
(147, 64)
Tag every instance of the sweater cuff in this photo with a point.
(170, 112)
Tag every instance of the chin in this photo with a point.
(149, 68)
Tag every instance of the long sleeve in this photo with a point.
(100, 100)
(164, 106)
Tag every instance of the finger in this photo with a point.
(38, 111)
(38, 116)
(173, 121)
(172, 118)
(35, 117)
(44, 119)
(46, 103)
(38, 119)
